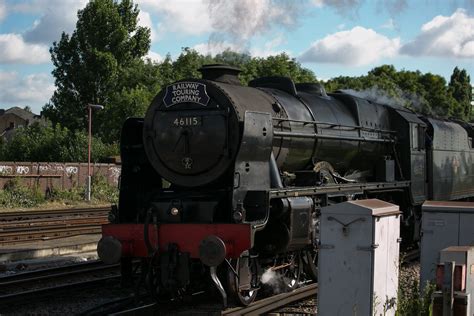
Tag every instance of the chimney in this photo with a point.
(221, 73)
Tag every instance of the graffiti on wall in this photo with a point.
(52, 174)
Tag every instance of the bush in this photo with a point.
(70, 196)
(16, 195)
(102, 191)
(54, 143)
(410, 301)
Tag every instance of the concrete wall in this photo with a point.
(56, 175)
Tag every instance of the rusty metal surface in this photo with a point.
(49, 175)
(448, 204)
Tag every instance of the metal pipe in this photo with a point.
(218, 283)
(89, 156)
(89, 174)
(335, 137)
(275, 179)
(333, 124)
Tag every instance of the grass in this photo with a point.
(410, 301)
(16, 195)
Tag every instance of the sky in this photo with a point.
(330, 37)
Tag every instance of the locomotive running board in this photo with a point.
(347, 188)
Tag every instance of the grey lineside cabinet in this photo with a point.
(359, 258)
(443, 224)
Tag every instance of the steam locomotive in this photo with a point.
(225, 180)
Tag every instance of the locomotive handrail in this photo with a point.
(333, 124)
(335, 137)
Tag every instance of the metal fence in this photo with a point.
(47, 175)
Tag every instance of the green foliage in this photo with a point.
(53, 143)
(425, 93)
(70, 196)
(98, 64)
(102, 191)
(189, 61)
(16, 195)
(411, 302)
(461, 90)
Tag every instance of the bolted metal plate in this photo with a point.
(212, 251)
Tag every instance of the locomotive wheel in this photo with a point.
(292, 274)
(310, 259)
(242, 297)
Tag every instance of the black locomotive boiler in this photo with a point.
(227, 180)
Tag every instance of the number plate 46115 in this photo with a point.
(187, 121)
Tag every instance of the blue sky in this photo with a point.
(331, 37)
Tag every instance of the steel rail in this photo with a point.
(266, 305)
(37, 214)
(22, 236)
(50, 222)
(14, 297)
(26, 280)
(50, 273)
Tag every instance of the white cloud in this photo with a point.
(155, 57)
(236, 21)
(182, 16)
(3, 10)
(15, 50)
(6, 77)
(34, 90)
(244, 19)
(270, 48)
(451, 36)
(57, 16)
(356, 47)
(144, 19)
(214, 48)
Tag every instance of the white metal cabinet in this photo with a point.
(358, 260)
(444, 224)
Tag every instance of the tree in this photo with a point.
(425, 93)
(95, 65)
(461, 90)
(53, 143)
(278, 65)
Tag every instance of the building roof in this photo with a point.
(21, 113)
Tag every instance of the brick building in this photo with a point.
(14, 118)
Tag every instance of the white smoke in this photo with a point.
(399, 100)
(235, 23)
(276, 281)
(269, 276)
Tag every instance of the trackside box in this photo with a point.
(444, 224)
(358, 259)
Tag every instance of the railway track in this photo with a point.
(40, 283)
(259, 307)
(25, 226)
(274, 302)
